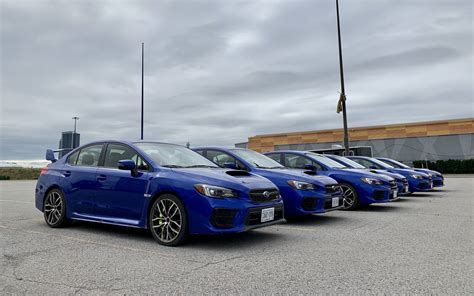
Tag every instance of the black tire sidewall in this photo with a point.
(62, 220)
(356, 197)
(182, 236)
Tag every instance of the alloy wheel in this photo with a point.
(167, 220)
(349, 196)
(53, 208)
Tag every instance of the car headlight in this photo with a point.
(301, 185)
(214, 191)
(416, 176)
(371, 181)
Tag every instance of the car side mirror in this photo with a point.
(128, 165)
(50, 155)
(230, 165)
(310, 167)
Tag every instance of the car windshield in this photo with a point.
(395, 163)
(257, 160)
(175, 156)
(326, 161)
(350, 163)
(381, 163)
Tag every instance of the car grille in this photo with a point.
(309, 204)
(264, 195)
(438, 182)
(331, 189)
(254, 216)
(223, 218)
(379, 194)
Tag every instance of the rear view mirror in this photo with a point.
(230, 165)
(310, 167)
(50, 155)
(128, 165)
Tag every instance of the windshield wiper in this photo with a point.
(201, 166)
(172, 166)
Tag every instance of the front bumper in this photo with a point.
(369, 194)
(438, 181)
(420, 185)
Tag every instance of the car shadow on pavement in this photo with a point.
(380, 208)
(231, 241)
(314, 219)
(111, 230)
(425, 194)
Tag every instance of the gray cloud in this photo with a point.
(220, 71)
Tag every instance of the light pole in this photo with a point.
(74, 133)
(341, 106)
(143, 57)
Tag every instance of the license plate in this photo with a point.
(268, 215)
(335, 202)
(431, 184)
(395, 194)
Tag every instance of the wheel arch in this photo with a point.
(155, 197)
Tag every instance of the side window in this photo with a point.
(221, 158)
(73, 158)
(276, 157)
(89, 156)
(296, 161)
(116, 152)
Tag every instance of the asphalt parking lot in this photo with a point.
(420, 244)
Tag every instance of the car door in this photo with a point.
(121, 196)
(79, 181)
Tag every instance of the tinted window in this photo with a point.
(221, 158)
(275, 157)
(89, 156)
(326, 161)
(169, 155)
(73, 158)
(365, 163)
(296, 161)
(116, 152)
(256, 159)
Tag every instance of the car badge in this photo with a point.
(266, 194)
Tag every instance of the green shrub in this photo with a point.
(19, 173)
(450, 166)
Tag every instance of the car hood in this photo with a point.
(232, 179)
(384, 172)
(406, 172)
(428, 171)
(363, 173)
(296, 175)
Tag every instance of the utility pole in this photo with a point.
(74, 133)
(143, 57)
(342, 99)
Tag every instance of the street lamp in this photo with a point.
(341, 105)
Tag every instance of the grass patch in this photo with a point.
(19, 173)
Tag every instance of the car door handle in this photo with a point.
(101, 178)
(67, 173)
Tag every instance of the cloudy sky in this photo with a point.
(220, 71)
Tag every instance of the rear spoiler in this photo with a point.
(50, 153)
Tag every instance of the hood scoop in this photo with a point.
(311, 173)
(238, 173)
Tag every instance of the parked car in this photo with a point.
(359, 188)
(402, 182)
(302, 193)
(166, 188)
(437, 177)
(417, 181)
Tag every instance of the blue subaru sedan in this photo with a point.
(359, 188)
(402, 182)
(302, 193)
(169, 189)
(437, 177)
(417, 181)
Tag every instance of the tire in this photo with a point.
(349, 194)
(54, 209)
(168, 221)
